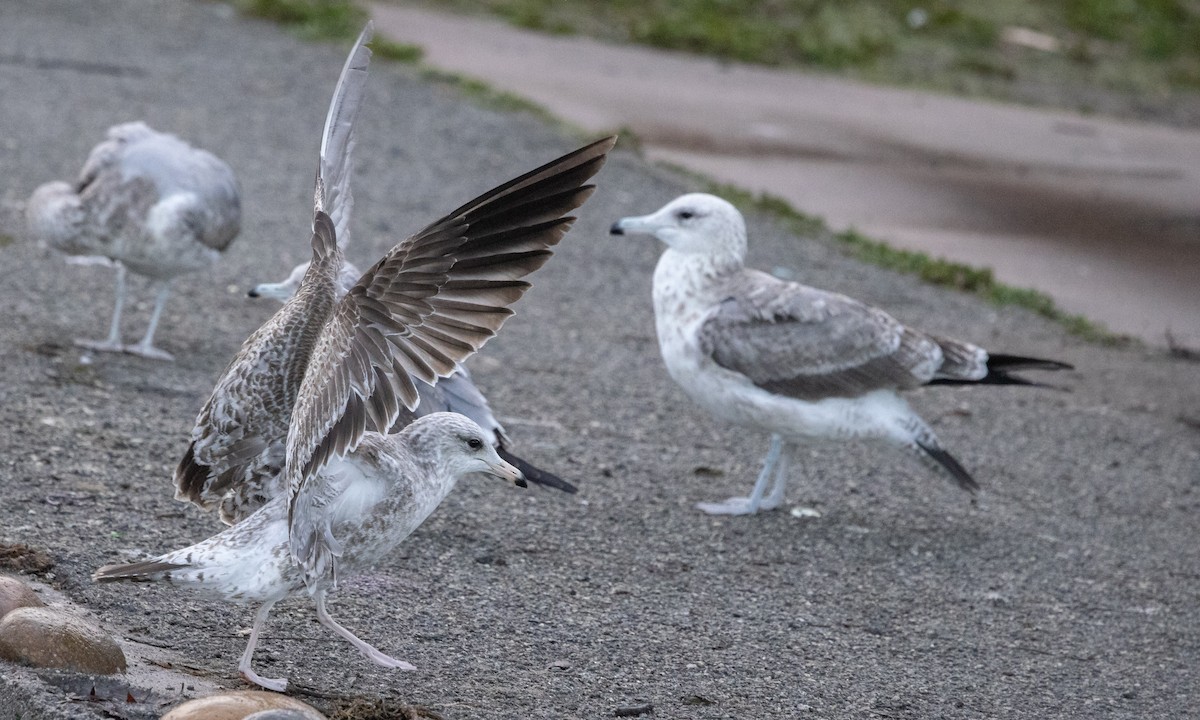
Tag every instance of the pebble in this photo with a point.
(16, 594)
(244, 705)
(280, 714)
(637, 710)
(45, 637)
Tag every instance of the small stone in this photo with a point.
(242, 705)
(280, 714)
(637, 710)
(805, 512)
(16, 594)
(45, 637)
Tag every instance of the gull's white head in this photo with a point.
(55, 215)
(462, 447)
(696, 223)
(283, 291)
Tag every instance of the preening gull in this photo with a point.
(291, 444)
(455, 393)
(151, 203)
(791, 360)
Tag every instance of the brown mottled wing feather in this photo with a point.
(238, 442)
(432, 301)
(810, 344)
(240, 437)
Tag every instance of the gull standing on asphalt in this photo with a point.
(799, 363)
(149, 202)
(291, 444)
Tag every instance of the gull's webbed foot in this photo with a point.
(386, 661)
(738, 506)
(276, 684)
(100, 345)
(149, 352)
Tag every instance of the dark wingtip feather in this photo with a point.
(535, 474)
(1004, 363)
(190, 476)
(951, 465)
(1001, 366)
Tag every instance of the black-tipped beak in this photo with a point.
(616, 229)
(253, 292)
(507, 471)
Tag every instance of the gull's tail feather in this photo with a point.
(156, 569)
(1000, 367)
(932, 452)
(1006, 363)
(535, 474)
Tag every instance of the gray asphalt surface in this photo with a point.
(1070, 588)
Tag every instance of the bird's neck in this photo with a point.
(434, 480)
(695, 276)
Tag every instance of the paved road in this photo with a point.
(1102, 215)
(1068, 589)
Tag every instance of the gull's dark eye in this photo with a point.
(685, 214)
(474, 443)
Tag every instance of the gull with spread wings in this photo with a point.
(456, 392)
(292, 446)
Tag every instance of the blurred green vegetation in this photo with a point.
(1140, 46)
(327, 20)
(1130, 57)
(311, 19)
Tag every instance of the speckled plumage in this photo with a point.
(794, 361)
(148, 201)
(366, 504)
(454, 393)
(289, 445)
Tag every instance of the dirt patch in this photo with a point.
(382, 709)
(23, 558)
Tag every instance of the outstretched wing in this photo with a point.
(429, 303)
(332, 195)
(810, 344)
(238, 443)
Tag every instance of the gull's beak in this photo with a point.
(506, 471)
(641, 225)
(269, 290)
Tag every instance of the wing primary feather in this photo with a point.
(586, 154)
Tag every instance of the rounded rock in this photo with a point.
(243, 705)
(45, 637)
(16, 594)
(280, 714)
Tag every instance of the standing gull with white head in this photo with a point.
(791, 360)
